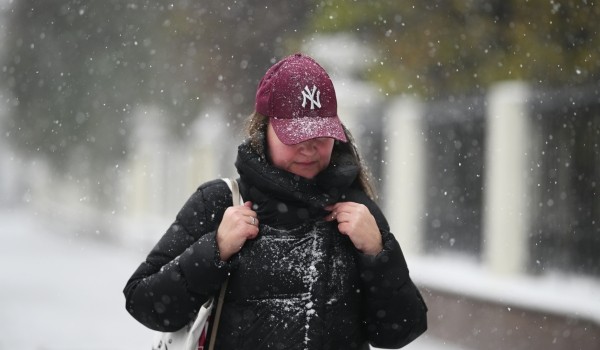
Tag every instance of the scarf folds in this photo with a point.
(283, 199)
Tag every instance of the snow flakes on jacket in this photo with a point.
(299, 285)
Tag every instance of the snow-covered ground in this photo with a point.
(63, 292)
(552, 293)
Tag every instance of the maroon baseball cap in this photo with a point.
(298, 97)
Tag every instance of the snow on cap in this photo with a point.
(298, 97)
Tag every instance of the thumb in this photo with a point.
(248, 204)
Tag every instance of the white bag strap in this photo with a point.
(235, 191)
(236, 199)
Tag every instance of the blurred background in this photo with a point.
(479, 120)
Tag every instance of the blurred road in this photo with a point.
(62, 292)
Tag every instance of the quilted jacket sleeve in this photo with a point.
(183, 269)
(395, 311)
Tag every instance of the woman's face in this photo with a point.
(305, 159)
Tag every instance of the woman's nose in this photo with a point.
(308, 146)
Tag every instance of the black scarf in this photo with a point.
(282, 199)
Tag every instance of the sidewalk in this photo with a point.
(63, 293)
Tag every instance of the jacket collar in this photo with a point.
(276, 189)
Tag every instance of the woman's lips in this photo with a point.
(306, 163)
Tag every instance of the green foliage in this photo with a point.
(454, 47)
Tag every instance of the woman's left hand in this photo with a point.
(356, 221)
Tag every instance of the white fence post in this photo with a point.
(11, 181)
(506, 195)
(404, 186)
(209, 144)
(147, 177)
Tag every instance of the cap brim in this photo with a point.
(291, 131)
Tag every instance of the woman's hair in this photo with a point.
(256, 128)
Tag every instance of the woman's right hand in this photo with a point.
(239, 224)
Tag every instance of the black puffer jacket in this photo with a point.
(299, 285)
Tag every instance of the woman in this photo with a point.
(310, 257)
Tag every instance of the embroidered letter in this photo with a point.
(307, 94)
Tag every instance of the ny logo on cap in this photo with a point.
(308, 94)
